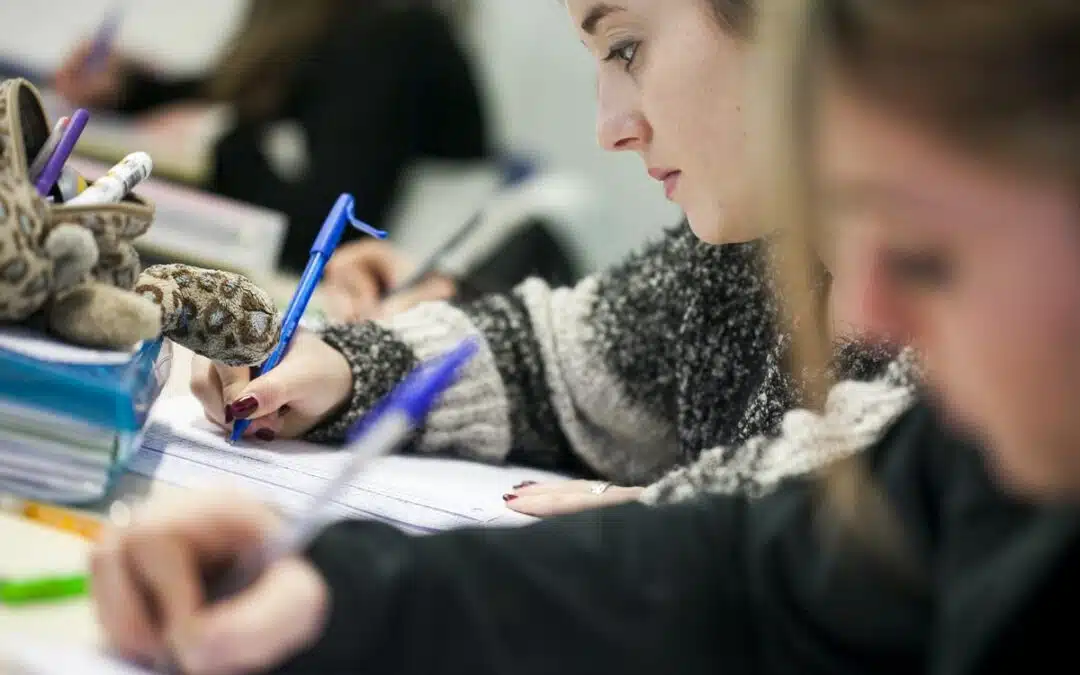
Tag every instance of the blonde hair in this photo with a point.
(998, 80)
(782, 109)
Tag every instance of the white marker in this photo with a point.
(118, 183)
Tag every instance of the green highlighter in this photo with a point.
(28, 591)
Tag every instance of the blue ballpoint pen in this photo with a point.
(329, 236)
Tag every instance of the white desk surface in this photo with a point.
(27, 549)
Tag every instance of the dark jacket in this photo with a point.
(390, 85)
(721, 585)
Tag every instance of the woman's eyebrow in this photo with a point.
(596, 14)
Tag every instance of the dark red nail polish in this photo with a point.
(242, 408)
(509, 497)
(265, 435)
(525, 484)
(228, 414)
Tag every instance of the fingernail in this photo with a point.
(243, 407)
(265, 435)
(229, 415)
(509, 497)
(525, 484)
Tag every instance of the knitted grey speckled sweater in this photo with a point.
(855, 416)
(627, 376)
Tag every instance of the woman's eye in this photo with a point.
(624, 51)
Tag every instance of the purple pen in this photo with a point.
(51, 173)
(103, 40)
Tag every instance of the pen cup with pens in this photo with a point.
(85, 331)
(72, 408)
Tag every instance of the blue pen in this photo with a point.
(321, 250)
(103, 40)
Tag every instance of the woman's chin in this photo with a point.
(720, 227)
(709, 229)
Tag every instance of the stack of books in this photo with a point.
(70, 418)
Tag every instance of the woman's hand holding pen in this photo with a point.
(361, 273)
(97, 88)
(149, 593)
(310, 383)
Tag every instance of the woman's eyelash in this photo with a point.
(623, 51)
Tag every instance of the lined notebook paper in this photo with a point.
(419, 494)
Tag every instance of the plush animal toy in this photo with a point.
(74, 269)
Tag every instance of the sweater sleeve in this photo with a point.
(723, 584)
(578, 378)
(856, 415)
(143, 90)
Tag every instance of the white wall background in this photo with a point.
(539, 82)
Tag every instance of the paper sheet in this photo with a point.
(423, 494)
(20, 655)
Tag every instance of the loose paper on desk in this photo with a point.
(20, 655)
(416, 493)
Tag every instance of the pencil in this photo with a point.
(431, 264)
(515, 172)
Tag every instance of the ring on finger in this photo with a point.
(599, 488)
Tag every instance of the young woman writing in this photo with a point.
(633, 373)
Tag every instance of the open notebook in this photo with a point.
(418, 494)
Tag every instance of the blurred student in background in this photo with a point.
(374, 85)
